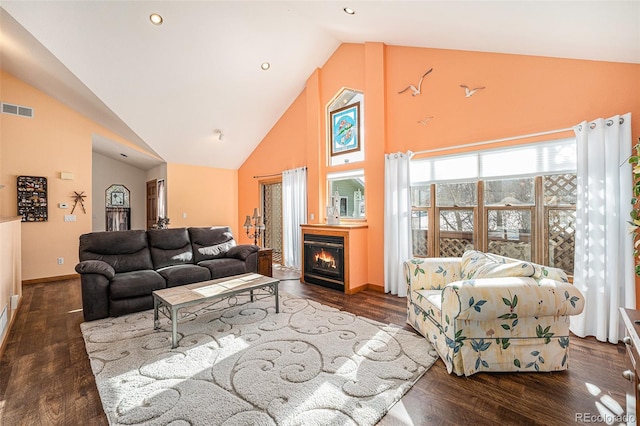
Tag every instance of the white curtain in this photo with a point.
(294, 214)
(161, 198)
(604, 269)
(397, 221)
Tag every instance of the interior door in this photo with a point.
(152, 203)
(272, 208)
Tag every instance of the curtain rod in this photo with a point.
(263, 176)
(276, 174)
(531, 135)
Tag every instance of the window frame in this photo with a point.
(540, 213)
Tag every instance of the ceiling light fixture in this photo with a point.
(156, 19)
(265, 66)
(349, 11)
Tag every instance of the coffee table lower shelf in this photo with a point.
(173, 299)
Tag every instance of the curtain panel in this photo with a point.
(294, 214)
(604, 264)
(397, 221)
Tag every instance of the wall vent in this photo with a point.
(22, 111)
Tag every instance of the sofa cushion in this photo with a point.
(125, 251)
(551, 273)
(170, 247)
(224, 267)
(210, 243)
(136, 283)
(184, 274)
(430, 301)
(477, 264)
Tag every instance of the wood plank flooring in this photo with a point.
(46, 379)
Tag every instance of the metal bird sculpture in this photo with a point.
(416, 91)
(469, 92)
(425, 121)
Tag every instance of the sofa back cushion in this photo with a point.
(169, 247)
(125, 251)
(211, 243)
(477, 264)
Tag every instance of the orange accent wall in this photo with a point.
(57, 139)
(523, 95)
(208, 196)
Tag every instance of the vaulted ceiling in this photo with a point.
(169, 88)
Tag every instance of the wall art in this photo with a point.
(345, 129)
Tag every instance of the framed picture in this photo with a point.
(345, 129)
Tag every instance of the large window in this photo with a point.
(522, 211)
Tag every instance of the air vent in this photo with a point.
(22, 111)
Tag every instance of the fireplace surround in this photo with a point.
(339, 258)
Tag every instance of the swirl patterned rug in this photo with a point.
(246, 365)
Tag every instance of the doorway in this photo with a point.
(271, 194)
(152, 203)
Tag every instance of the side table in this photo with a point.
(265, 262)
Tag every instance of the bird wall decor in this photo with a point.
(415, 91)
(425, 120)
(469, 92)
(78, 197)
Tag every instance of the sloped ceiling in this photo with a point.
(168, 88)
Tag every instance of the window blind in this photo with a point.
(558, 156)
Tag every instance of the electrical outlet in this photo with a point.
(60, 260)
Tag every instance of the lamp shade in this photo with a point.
(247, 223)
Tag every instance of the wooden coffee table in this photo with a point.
(170, 300)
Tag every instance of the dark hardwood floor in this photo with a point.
(46, 379)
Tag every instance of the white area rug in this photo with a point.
(246, 365)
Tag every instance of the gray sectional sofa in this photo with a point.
(119, 270)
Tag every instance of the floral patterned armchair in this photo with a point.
(485, 312)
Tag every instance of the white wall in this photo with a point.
(107, 172)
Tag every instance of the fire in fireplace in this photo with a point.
(324, 260)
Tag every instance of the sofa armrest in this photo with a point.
(96, 267)
(431, 273)
(242, 251)
(510, 298)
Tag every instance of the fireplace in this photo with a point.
(324, 260)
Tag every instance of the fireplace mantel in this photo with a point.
(355, 251)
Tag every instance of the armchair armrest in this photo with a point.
(242, 251)
(431, 273)
(510, 298)
(95, 267)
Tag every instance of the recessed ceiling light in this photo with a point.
(156, 19)
(349, 11)
(265, 66)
